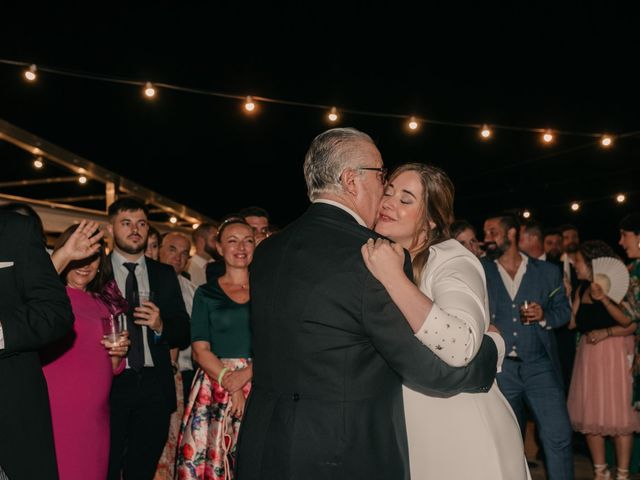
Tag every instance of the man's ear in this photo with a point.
(347, 180)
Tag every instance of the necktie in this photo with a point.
(136, 349)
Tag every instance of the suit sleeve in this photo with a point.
(175, 319)
(419, 367)
(44, 314)
(557, 311)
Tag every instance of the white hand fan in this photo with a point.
(612, 275)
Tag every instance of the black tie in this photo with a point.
(136, 350)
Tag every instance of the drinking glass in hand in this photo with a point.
(144, 296)
(112, 328)
(523, 312)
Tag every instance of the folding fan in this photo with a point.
(612, 275)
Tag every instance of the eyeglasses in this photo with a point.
(382, 172)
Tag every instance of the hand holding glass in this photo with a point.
(523, 312)
(113, 327)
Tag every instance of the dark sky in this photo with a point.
(570, 68)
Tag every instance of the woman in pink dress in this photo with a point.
(600, 394)
(80, 367)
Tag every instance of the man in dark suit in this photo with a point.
(34, 311)
(144, 395)
(531, 371)
(331, 350)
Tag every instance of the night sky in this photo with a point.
(571, 68)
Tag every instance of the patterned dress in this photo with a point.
(631, 307)
(208, 434)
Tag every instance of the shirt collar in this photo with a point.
(120, 260)
(357, 217)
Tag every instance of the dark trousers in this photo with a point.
(139, 425)
(537, 385)
(187, 380)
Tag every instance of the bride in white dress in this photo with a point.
(467, 436)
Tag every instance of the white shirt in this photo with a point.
(188, 289)
(120, 274)
(513, 284)
(197, 269)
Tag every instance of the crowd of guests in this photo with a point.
(164, 397)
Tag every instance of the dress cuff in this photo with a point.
(500, 345)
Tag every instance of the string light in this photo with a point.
(249, 105)
(38, 163)
(333, 115)
(82, 179)
(31, 73)
(575, 206)
(526, 214)
(149, 90)
(621, 198)
(173, 219)
(195, 226)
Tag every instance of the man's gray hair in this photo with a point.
(328, 156)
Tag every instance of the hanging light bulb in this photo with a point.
(195, 226)
(621, 198)
(31, 73)
(526, 214)
(575, 206)
(333, 114)
(38, 163)
(547, 137)
(413, 124)
(249, 105)
(606, 141)
(82, 179)
(173, 219)
(149, 90)
(485, 132)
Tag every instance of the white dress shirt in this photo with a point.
(197, 270)
(120, 274)
(188, 289)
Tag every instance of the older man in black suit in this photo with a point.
(34, 311)
(144, 395)
(331, 350)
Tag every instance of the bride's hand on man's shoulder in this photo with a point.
(381, 256)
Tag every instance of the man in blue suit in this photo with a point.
(531, 371)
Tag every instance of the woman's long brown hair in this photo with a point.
(436, 208)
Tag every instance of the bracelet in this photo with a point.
(221, 374)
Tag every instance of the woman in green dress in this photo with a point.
(220, 339)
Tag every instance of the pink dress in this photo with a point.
(79, 373)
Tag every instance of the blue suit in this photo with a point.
(531, 371)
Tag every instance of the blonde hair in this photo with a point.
(436, 207)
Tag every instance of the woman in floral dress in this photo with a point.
(220, 339)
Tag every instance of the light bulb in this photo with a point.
(149, 90)
(526, 214)
(621, 198)
(547, 137)
(413, 124)
(333, 115)
(31, 73)
(249, 106)
(575, 206)
(173, 219)
(195, 226)
(38, 163)
(485, 132)
(606, 141)
(82, 179)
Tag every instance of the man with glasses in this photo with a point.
(331, 349)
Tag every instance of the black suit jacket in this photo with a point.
(175, 325)
(34, 311)
(331, 351)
